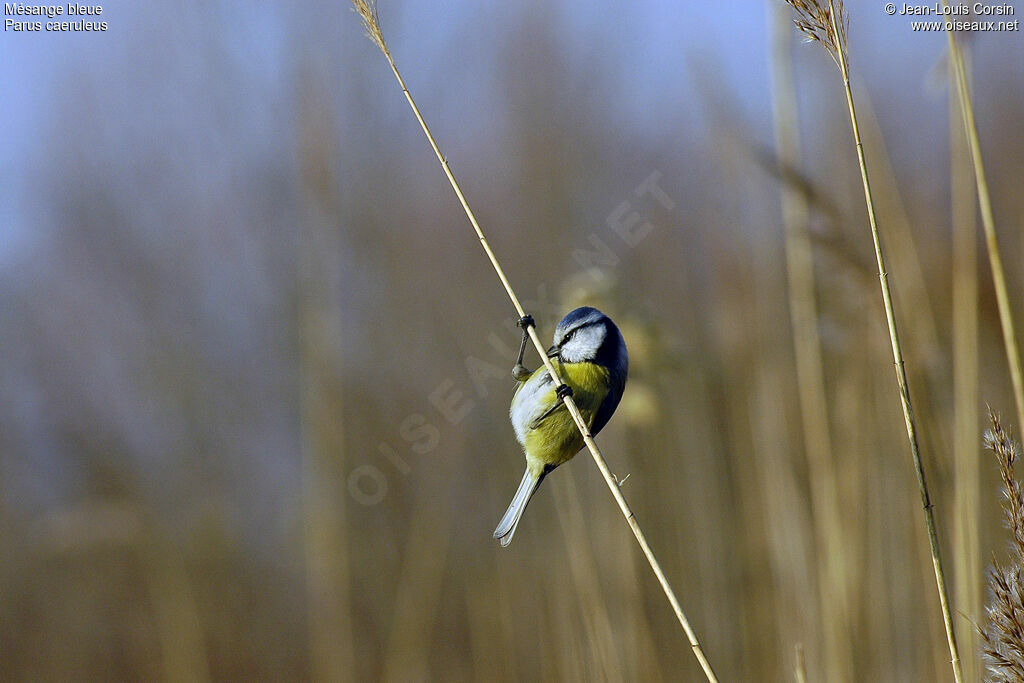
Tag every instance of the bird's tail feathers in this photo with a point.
(507, 526)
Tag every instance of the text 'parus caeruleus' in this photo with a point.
(590, 357)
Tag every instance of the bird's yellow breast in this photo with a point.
(554, 439)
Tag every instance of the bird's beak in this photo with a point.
(553, 351)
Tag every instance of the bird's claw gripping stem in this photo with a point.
(520, 371)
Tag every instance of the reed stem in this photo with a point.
(897, 351)
(368, 13)
(821, 22)
(988, 221)
(967, 568)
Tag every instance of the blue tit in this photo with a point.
(590, 357)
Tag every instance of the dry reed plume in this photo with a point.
(828, 24)
(367, 11)
(1004, 636)
(822, 23)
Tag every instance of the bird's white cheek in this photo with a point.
(583, 345)
(573, 352)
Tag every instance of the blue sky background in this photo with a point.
(650, 51)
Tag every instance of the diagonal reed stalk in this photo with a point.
(823, 23)
(988, 221)
(367, 10)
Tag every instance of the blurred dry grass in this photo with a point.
(233, 305)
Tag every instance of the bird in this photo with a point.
(590, 355)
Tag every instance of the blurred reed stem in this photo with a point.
(789, 543)
(367, 10)
(988, 221)
(800, 667)
(828, 26)
(642, 662)
(420, 583)
(922, 339)
(966, 463)
(321, 406)
(183, 653)
(830, 539)
(583, 569)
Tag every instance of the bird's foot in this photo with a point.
(520, 371)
